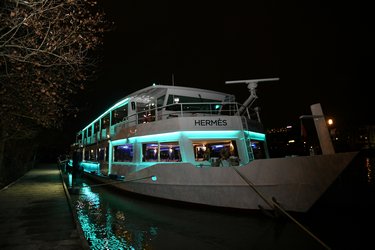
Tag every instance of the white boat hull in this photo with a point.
(296, 182)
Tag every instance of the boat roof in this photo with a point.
(156, 88)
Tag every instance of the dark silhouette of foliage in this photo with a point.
(47, 52)
(49, 49)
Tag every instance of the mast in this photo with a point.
(322, 130)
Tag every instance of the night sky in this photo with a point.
(322, 53)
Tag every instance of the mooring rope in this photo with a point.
(274, 205)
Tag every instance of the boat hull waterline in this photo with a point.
(295, 182)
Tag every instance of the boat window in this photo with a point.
(169, 151)
(96, 127)
(161, 152)
(107, 153)
(146, 112)
(133, 105)
(101, 154)
(89, 131)
(187, 99)
(228, 109)
(90, 154)
(105, 121)
(120, 114)
(150, 151)
(160, 101)
(195, 104)
(123, 153)
(84, 136)
(216, 150)
(87, 155)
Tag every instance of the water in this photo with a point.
(342, 219)
(345, 216)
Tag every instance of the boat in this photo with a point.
(200, 146)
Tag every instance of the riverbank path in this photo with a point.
(35, 213)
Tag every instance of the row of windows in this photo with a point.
(165, 152)
(97, 154)
(146, 111)
(118, 115)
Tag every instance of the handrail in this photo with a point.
(169, 111)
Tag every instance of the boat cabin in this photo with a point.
(171, 124)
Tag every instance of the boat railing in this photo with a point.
(196, 109)
(175, 110)
(169, 111)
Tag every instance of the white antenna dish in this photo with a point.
(251, 85)
(253, 80)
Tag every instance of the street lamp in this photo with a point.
(332, 130)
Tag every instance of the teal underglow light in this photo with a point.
(154, 178)
(256, 136)
(91, 229)
(215, 134)
(175, 136)
(120, 103)
(120, 142)
(70, 180)
(90, 166)
(89, 195)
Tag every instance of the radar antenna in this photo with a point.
(251, 85)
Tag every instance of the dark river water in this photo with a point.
(342, 219)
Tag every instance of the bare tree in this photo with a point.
(48, 50)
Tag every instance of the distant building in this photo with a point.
(355, 138)
(285, 141)
(302, 140)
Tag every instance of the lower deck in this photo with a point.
(199, 148)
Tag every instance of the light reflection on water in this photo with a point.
(111, 220)
(106, 227)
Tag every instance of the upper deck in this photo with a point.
(161, 102)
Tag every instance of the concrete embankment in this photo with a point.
(35, 213)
